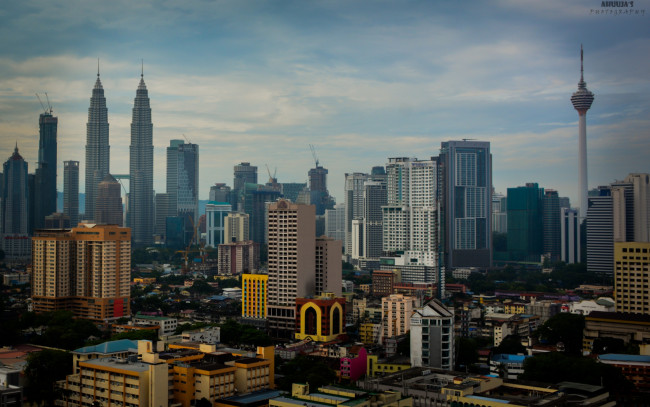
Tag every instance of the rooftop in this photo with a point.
(122, 364)
(616, 357)
(123, 345)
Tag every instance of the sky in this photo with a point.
(259, 81)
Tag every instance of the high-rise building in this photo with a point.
(254, 296)
(432, 336)
(141, 195)
(499, 213)
(551, 225)
(525, 222)
(97, 148)
(353, 204)
(640, 219)
(221, 193)
(183, 185)
(254, 202)
(244, 173)
(86, 270)
(600, 232)
(71, 191)
(15, 207)
(466, 189)
(162, 212)
(410, 218)
(236, 227)
(45, 175)
(215, 214)
(291, 190)
(319, 195)
(328, 266)
(582, 100)
(291, 262)
(235, 258)
(632, 278)
(570, 242)
(335, 222)
(375, 196)
(108, 209)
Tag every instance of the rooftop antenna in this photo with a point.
(581, 64)
(142, 70)
(98, 67)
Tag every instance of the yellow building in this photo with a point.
(254, 291)
(112, 381)
(144, 280)
(376, 367)
(514, 308)
(334, 396)
(86, 270)
(369, 333)
(320, 319)
(632, 277)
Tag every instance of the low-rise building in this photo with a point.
(167, 325)
(507, 366)
(635, 368)
(210, 335)
(432, 336)
(630, 328)
(335, 396)
(381, 367)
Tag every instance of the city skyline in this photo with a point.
(362, 84)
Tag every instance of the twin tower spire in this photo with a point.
(140, 199)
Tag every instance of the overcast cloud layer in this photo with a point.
(362, 81)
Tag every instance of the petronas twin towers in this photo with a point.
(140, 215)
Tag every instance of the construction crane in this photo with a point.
(313, 153)
(186, 139)
(272, 179)
(48, 109)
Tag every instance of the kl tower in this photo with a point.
(582, 100)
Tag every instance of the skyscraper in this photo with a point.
(97, 148)
(552, 236)
(183, 184)
(525, 222)
(319, 195)
(71, 191)
(15, 207)
(600, 232)
(466, 172)
(410, 218)
(141, 205)
(353, 204)
(108, 208)
(582, 100)
(291, 262)
(244, 173)
(374, 197)
(45, 175)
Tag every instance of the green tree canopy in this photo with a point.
(510, 345)
(43, 369)
(306, 369)
(555, 367)
(236, 334)
(563, 327)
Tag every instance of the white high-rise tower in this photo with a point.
(582, 100)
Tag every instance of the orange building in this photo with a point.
(86, 270)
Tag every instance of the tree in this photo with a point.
(137, 335)
(563, 327)
(404, 346)
(306, 369)
(466, 351)
(43, 369)
(555, 367)
(510, 345)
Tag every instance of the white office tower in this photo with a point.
(432, 336)
(410, 218)
(335, 222)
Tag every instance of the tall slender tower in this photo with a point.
(141, 212)
(71, 191)
(582, 100)
(97, 148)
(45, 176)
